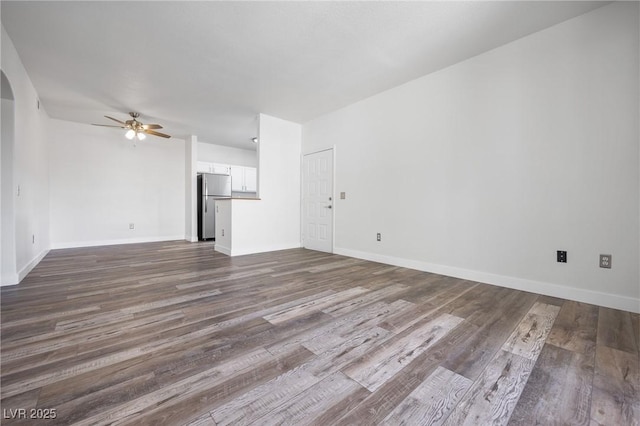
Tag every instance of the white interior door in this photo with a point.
(317, 201)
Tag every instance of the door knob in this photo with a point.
(329, 207)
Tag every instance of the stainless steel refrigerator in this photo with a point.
(210, 188)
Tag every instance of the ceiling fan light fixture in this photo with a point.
(135, 129)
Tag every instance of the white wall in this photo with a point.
(100, 182)
(227, 155)
(191, 188)
(486, 168)
(30, 168)
(273, 221)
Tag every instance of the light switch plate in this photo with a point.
(343, 195)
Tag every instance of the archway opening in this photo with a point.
(8, 267)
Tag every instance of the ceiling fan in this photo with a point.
(136, 129)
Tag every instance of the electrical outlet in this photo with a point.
(562, 256)
(132, 226)
(223, 232)
(343, 195)
(605, 261)
(378, 237)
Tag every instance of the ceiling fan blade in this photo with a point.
(116, 120)
(108, 125)
(151, 126)
(151, 132)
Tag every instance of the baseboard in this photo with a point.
(14, 279)
(565, 292)
(222, 249)
(9, 279)
(76, 244)
(190, 238)
(263, 249)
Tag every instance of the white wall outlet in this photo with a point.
(378, 237)
(605, 261)
(132, 226)
(223, 232)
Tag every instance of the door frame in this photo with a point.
(9, 190)
(333, 194)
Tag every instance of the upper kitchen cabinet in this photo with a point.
(206, 167)
(251, 179)
(244, 179)
(223, 169)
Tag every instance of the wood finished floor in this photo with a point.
(174, 333)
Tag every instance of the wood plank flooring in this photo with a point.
(175, 333)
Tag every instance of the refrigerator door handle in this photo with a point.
(206, 188)
(205, 204)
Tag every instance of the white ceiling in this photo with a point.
(208, 68)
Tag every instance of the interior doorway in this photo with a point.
(8, 265)
(317, 201)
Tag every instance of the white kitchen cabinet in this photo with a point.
(250, 179)
(204, 167)
(223, 169)
(207, 167)
(244, 179)
(237, 179)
